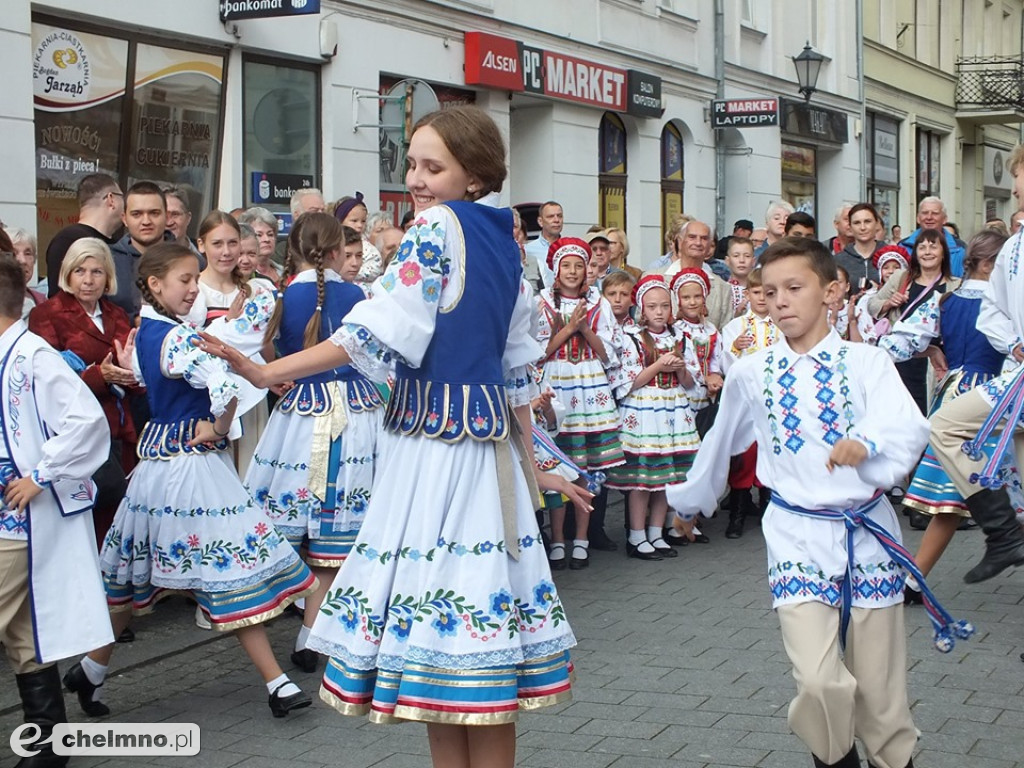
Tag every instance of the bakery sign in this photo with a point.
(500, 62)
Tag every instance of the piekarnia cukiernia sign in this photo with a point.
(231, 10)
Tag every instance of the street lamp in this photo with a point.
(808, 67)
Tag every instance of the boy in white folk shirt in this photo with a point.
(826, 451)
(54, 437)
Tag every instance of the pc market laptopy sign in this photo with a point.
(232, 10)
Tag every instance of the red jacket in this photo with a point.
(62, 321)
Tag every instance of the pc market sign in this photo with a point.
(744, 113)
(232, 10)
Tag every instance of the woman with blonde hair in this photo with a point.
(618, 245)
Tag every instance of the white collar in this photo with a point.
(309, 276)
(151, 314)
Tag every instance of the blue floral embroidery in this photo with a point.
(445, 624)
(404, 252)
(502, 603)
(431, 290)
(428, 253)
(544, 593)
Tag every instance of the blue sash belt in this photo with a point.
(947, 629)
(1009, 405)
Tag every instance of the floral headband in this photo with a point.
(691, 275)
(567, 246)
(644, 285)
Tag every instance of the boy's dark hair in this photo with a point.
(617, 277)
(12, 287)
(349, 236)
(737, 240)
(816, 254)
(754, 278)
(93, 186)
(864, 207)
(146, 188)
(799, 217)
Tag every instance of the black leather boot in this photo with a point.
(595, 529)
(850, 760)
(740, 502)
(1004, 542)
(42, 700)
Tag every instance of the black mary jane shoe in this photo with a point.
(663, 549)
(579, 563)
(282, 705)
(558, 563)
(76, 681)
(634, 551)
(701, 538)
(128, 636)
(673, 539)
(306, 660)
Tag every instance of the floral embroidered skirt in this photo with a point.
(659, 439)
(807, 560)
(187, 524)
(589, 433)
(429, 618)
(281, 469)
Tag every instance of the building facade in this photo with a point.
(606, 104)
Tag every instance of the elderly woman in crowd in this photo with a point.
(23, 246)
(95, 337)
(264, 224)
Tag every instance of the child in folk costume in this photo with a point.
(445, 611)
(617, 289)
(236, 310)
(690, 288)
(658, 434)
(313, 468)
(972, 361)
(580, 337)
(186, 523)
(743, 336)
(739, 257)
(887, 260)
(55, 437)
(836, 568)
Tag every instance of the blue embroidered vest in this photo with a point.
(176, 406)
(965, 346)
(311, 395)
(459, 389)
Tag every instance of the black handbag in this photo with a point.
(705, 418)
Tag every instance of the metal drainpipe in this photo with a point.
(864, 138)
(720, 92)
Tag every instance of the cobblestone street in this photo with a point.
(679, 663)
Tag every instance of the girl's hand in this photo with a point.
(205, 432)
(113, 374)
(685, 378)
(20, 492)
(235, 310)
(579, 497)
(896, 300)
(124, 354)
(578, 316)
(670, 361)
(239, 363)
(714, 383)
(939, 363)
(282, 388)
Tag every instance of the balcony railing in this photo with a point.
(990, 84)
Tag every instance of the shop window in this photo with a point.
(671, 175)
(612, 176)
(928, 165)
(883, 169)
(281, 145)
(799, 173)
(133, 109)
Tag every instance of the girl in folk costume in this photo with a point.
(972, 361)
(186, 523)
(445, 612)
(313, 468)
(658, 434)
(235, 309)
(887, 259)
(580, 336)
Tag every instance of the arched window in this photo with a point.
(612, 178)
(671, 175)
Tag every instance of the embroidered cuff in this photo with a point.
(368, 354)
(686, 517)
(870, 445)
(39, 480)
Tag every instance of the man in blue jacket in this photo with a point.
(931, 214)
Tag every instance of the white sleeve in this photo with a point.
(397, 323)
(729, 334)
(245, 332)
(913, 334)
(716, 364)
(610, 332)
(993, 319)
(181, 357)
(80, 439)
(732, 433)
(630, 366)
(521, 349)
(892, 453)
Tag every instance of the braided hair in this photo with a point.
(216, 219)
(157, 261)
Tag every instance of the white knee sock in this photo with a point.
(300, 641)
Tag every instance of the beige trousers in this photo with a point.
(15, 608)
(955, 422)
(863, 694)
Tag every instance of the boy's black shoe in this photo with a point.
(1004, 541)
(306, 660)
(850, 760)
(43, 703)
(76, 681)
(918, 520)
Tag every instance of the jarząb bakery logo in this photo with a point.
(60, 68)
